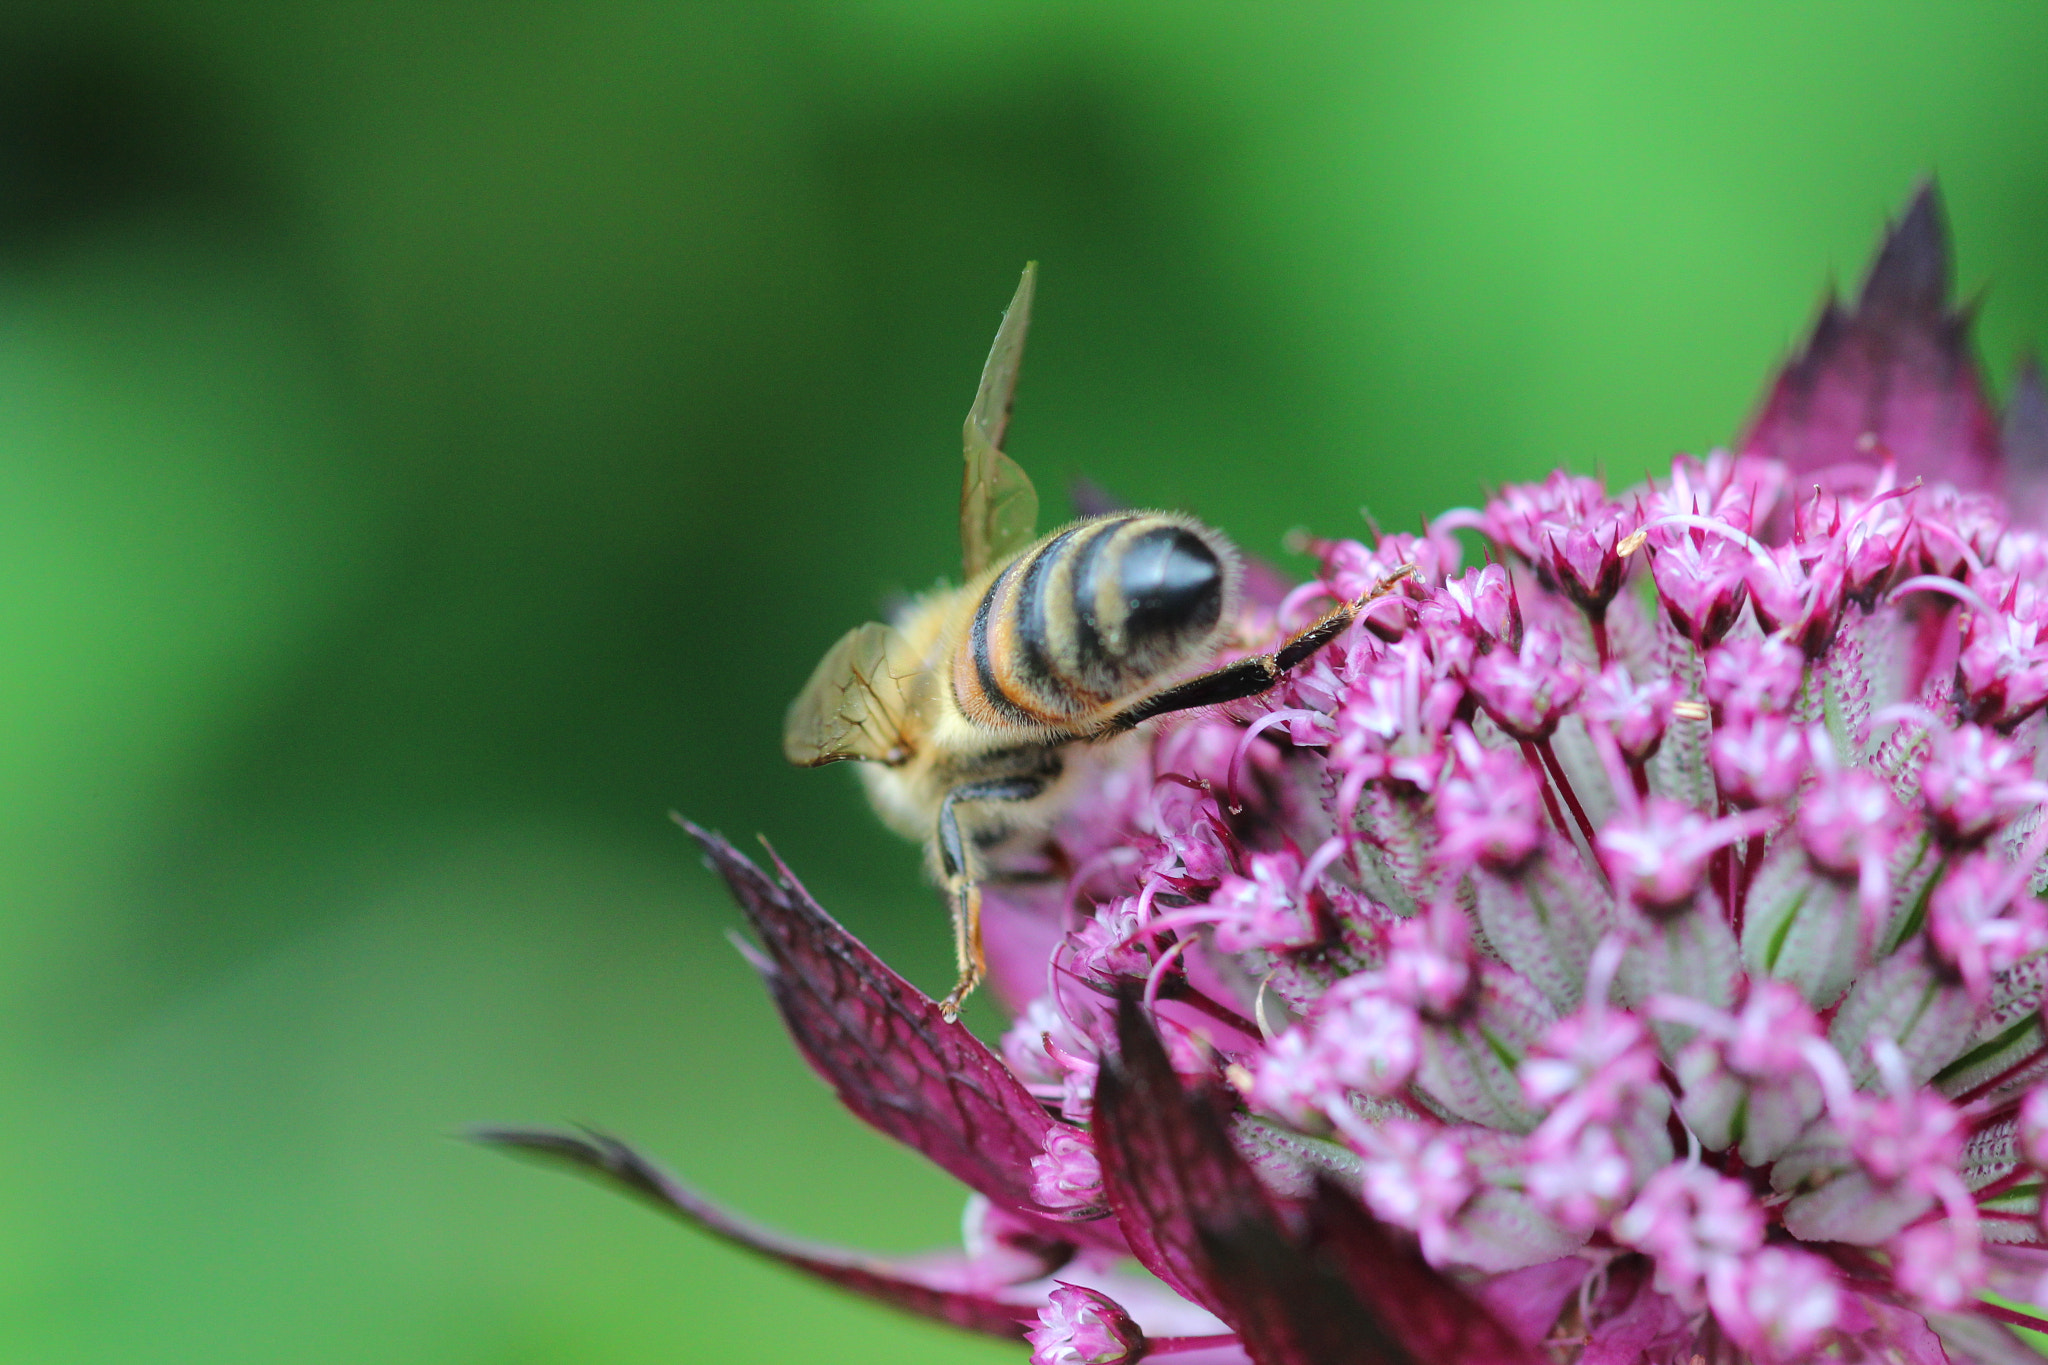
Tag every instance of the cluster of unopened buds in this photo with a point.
(1627, 947)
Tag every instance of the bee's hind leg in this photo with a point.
(1249, 677)
(965, 895)
(960, 865)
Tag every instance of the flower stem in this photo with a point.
(1597, 619)
(1529, 751)
(1564, 788)
(1161, 1346)
(1752, 858)
(2018, 1176)
(1181, 992)
(2013, 1317)
(1722, 874)
(1991, 1083)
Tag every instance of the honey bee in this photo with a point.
(963, 709)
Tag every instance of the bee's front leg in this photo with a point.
(960, 866)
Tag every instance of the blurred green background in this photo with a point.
(437, 437)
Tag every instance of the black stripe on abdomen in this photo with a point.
(992, 690)
(1090, 661)
(1034, 651)
(1045, 655)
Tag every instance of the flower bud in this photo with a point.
(1080, 1326)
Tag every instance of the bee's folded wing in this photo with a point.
(857, 703)
(998, 505)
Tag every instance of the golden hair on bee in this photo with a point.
(966, 709)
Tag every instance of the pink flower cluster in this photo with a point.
(1627, 947)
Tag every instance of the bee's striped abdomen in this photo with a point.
(1089, 616)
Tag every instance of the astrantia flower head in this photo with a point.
(1627, 950)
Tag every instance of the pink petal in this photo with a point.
(1893, 1333)
(1625, 1337)
(929, 1287)
(1528, 1301)
(1898, 368)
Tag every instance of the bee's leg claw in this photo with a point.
(949, 1008)
(967, 940)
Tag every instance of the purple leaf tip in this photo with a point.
(1893, 376)
(883, 1045)
(1912, 273)
(939, 1288)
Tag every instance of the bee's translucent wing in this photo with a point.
(998, 505)
(857, 702)
(990, 416)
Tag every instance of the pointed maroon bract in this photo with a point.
(1291, 1309)
(921, 1287)
(1894, 373)
(1431, 1315)
(884, 1047)
(1167, 1163)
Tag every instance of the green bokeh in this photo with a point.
(437, 437)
